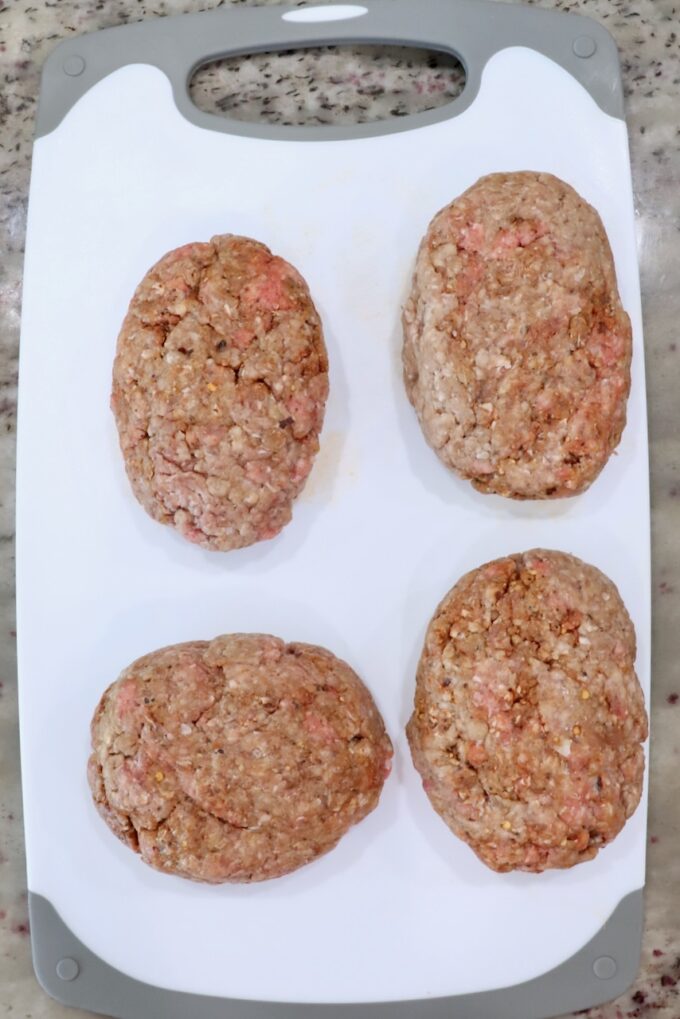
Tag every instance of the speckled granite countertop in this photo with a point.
(343, 85)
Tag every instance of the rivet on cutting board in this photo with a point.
(73, 66)
(584, 46)
(67, 969)
(604, 967)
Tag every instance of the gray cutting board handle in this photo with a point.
(599, 972)
(472, 30)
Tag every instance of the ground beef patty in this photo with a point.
(219, 388)
(236, 759)
(516, 348)
(528, 714)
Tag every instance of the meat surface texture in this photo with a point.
(516, 349)
(237, 759)
(220, 383)
(529, 717)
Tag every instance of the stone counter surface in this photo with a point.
(346, 84)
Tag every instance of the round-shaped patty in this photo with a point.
(516, 348)
(528, 717)
(219, 390)
(236, 759)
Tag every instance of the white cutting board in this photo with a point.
(401, 909)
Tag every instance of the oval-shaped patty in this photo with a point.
(529, 718)
(236, 759)
(516, 348)
(219, 389)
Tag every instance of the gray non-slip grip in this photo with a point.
(600, 971)
(472, 30)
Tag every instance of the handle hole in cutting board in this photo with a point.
(328, 85)
(332, 12)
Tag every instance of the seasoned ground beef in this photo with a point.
(516, 348)
(236, 759)
(529, 718)
(219, 389)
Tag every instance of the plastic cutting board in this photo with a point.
(400, 920)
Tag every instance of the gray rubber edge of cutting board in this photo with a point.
(599, 972)
(472, 30)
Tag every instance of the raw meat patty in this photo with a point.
(236, 759)
(219, 389)
(528, 714)
(516, 348)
